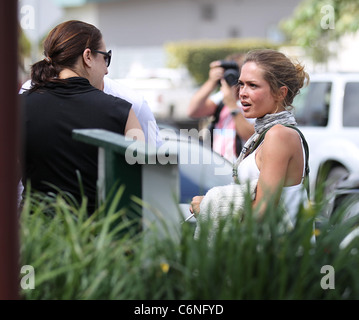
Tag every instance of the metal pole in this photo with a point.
(9, 136)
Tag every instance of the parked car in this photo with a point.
(200, 167)
(167, 91)
(346, 204)
(346, 196)
(327, 114)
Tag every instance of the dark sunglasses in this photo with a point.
(107, 56)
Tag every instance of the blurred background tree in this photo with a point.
(196, 56)
(24, 52)
(316, 24)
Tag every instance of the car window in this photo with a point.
(350, 107)
(311, 105)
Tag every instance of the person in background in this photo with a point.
(229, 128)
(66, 94)
(140, 107)
(268, 83)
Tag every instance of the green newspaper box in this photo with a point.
(146, 173)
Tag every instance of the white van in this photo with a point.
(327, 112)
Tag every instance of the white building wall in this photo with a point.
(143, 22)
(136, 30)
(88, 13)
(348, 55)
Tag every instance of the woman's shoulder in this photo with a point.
(282, 136)
(113, 100)
(280, 131)
(120, 90)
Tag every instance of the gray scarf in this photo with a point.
(261, 124)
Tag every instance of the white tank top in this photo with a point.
(291, 197)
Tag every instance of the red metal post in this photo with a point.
(9, 137)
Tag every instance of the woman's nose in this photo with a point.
(242, 91)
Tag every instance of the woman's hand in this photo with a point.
(195, 205)
(215, 72)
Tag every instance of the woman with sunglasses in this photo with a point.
(66, 94)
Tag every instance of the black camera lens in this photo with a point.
(226, 64)
(231, 76)
(231, 73)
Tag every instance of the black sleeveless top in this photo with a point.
(50, 156)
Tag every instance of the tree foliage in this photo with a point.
(197, 55)
(24, 46)
(316, 23)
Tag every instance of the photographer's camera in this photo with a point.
(231, 72)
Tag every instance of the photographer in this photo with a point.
(229, 129)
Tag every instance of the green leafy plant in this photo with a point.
(77, 256)
(315, 24)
